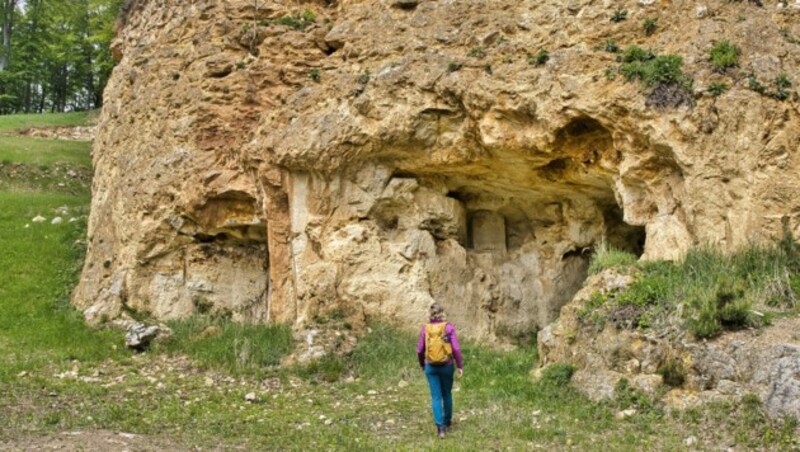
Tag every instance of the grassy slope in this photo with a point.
(38, 264)
(40, 151)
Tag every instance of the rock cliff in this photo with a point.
(280, 161)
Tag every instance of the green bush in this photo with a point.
(557, 374)
(662, 74)
(453, 66)
(314, 74)
(611, 46)
(725, 55)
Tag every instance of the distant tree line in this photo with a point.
(55, 54)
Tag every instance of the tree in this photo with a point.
(62, 60)
(7, 10)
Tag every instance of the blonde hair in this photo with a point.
(437, 313)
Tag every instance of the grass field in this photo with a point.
(12, 122)
(58, 375)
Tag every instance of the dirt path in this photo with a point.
(92, 440)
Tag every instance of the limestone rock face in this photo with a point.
(388, 154)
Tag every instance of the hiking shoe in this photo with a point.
(441, 431)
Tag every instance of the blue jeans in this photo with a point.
(440, 381)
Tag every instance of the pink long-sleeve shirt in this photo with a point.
(450, 332)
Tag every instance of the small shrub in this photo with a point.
(611, 46)
(476, 52)
(669, 87)
(649, 26)
(240, 65)
(725, 55)
(314, 74)
(664, 69)
(619, 15)
(540, 58)
(557, 374)
(611, 73)
(636, 54)
(453, 66)
(717, 88)
(488, 69)
(673, 373)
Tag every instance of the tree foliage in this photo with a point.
(57, 57)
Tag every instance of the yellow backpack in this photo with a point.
(438, 349)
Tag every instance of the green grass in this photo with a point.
(22, 121)
(605, 257)
(236, 348)
(39, 266)
(43, 152)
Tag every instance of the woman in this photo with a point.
(436, 349)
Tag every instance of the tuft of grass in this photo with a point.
(314, 74)
(476, 52)
(717, 88)
(673, 373)
(724, 55)
(541, 57)
(782, 85)
(235, 347)
(557, 374)
(649, 25)
(605, 257)
(619, 15)
(453, 66)
(611, 46)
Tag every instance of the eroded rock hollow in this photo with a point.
(277, 161)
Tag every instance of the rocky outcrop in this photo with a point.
(275, 162)
(760, 362)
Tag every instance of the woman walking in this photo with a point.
(437, 348)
